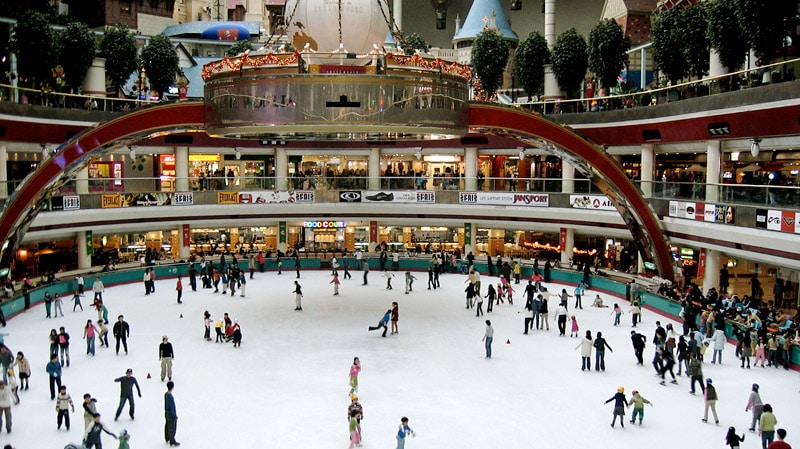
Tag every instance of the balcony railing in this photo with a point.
(784, 197)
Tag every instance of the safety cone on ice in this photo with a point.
(181, 316)
(149, 376)
(508, 342)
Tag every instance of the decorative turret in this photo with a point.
(484, 13)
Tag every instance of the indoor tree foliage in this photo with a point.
(489, 58)
(694, 23)
(239, 47)
(13, 8)
(77, 45)
(118, 47)
(32, 41)
(765, 23)
(608, 46)
(529, 60)
(667, 38)
(725, 34)
(160, 60)
(570, 61)
(413, 43)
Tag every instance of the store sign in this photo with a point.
(711, 213)
(597, 202)
(147, 199)
(505, 199)
(184, 198)
(227, 197)
(110, 200)
(350, 196)
(277, 196)
(325, 224)
(69, 202)
(400, 196)
(778, 220)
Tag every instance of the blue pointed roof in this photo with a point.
(473, 24)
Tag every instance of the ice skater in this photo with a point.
(365, 268)
(335, 281)
(637, 402)
(395, 317)
(409, 282)
(491, 295)
(388, 275)
(298, 296)
(355, 370)
(488, 336)
(402, 432)
(733, 440)
(710, 401)
(586, 351)
(619, 406)
(574, 330)
(617, 312)
(383, 322)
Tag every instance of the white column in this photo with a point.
(567, 179)
(569, 244)
(551, 88)
(82, 181)
(713, 169)
(711, 278)
(397, 13)
(84, 260)
(182, 183)
(471, 170)
(281, 169)
(374, 169)
(3, 171)
(715, 67)
(646, 171)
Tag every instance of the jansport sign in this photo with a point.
(505, 199)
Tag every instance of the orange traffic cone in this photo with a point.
(149, 376)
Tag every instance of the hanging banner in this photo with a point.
(468, 233)
(701, 264)
(281, 232)
(373, 232)
(504, 199)
(89, 244)
(562, 239)
(187, 236)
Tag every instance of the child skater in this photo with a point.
(402, 432)
(574, 331)
(733, 440)
(409, 282)
(355, 369)
(638, 401)
(76, 299)
(619, 406)
(617, 314)
(335, 282)
(510, 293)
(355, 437)
(123, 439)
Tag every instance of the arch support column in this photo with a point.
(182, 183)
(3, 171)
(646, 169)
(566, 241)
(374, 169)
(470, 168)
(281, 169)
(712, 267)
(567, 177)
(84, 259)
(713, 169)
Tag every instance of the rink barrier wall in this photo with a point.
(66, 288)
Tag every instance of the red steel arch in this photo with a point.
(593, 162)
(39, 186)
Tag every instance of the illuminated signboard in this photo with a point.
(325, 224)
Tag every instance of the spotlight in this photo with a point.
(132, 152)
(238, 154)
(418, 155)
(45, 152)
(755, 148)
(521, 152)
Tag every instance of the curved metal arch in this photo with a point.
(592, 162)
(31, 196)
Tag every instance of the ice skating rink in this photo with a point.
(287, 386)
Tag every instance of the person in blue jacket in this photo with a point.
(53, 368)
(383, 322)
(402, 432)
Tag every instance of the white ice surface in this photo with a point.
(286, 387)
